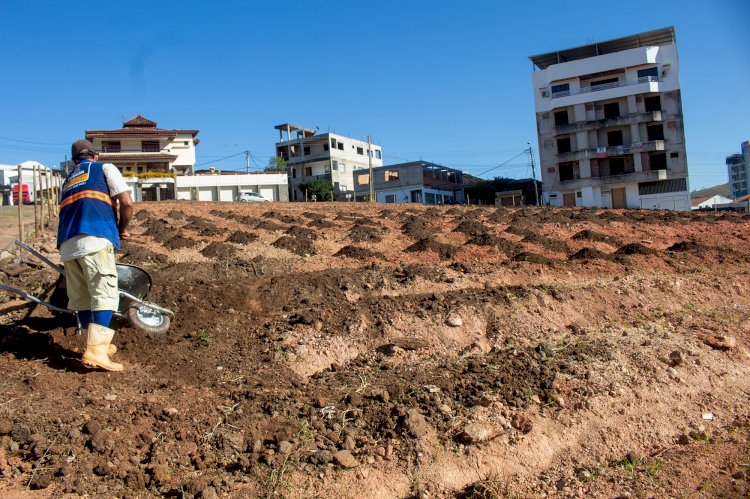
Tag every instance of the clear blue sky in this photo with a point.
(448, 82)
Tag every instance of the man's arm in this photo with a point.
(126, 213)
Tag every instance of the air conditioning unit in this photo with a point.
(545, 94)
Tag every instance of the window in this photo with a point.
(657, 161)
(150, 146)
(563, 145)
(360, 151)
(653, 103)
(363, 179)
(325, 147)
(561, 89)
(611, 110)
(390, 175)
(111, 146)
(561, 118)
(607, 83)
(327, 168)
(429, 198)
(377, 153)
(416, 196)
(306, 151)
(650, 74)
(614, 138)
(294, 173)
(616, 166)
(340, 146)
(655, 132)
(674, 155)
(390, 198)
(335, 165)
(568, 171)
(308, 171)
(333, 143)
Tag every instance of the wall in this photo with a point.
(226, 187)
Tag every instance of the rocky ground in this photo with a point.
(355, 350)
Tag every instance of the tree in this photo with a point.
(321, 189)
(276, 163)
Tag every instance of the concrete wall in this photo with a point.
(226, 187)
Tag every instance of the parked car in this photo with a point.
(251, 197)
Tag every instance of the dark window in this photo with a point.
(561, 118)
(655, 132)
(294, 173)
(563, 145)
(616, 166)
(377, 153)
(360, 151)
(658, 161)
(674, 155)
(649, 74)
(111, 146)
(150, 146)
(653, 103)
(567, 172)
(614, 138)
(563, 88)
(307, 151)
(325, 147)
(609, 81)
(308, 171)
(333, 143)
(340, 146)
(611, 110)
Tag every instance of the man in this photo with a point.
(87, 235)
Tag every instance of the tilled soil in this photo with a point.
(467, 352)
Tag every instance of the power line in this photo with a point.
(502, 164)
(221, 159)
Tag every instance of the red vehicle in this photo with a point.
(25, 194)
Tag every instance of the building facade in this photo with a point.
(737, 170)
(326, 156)
(141, 147)
(610, 124)
(414, 182)
(226, 186)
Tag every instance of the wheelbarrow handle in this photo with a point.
(41, 257)
(35, 299)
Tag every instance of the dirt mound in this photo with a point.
(175, 215)
(417, 228)
(471, 228)
(302, 233)
(281, 217)
(530, 257)
(635, 249)
(219, 251)
(302, 247)
(321, 224)
(137, 254)
(547, 242)
(179, 241)
(365, 234)
(142, 215)
(158, 229)
(212, 231)
(590, 235)
(358, 253)
(590, 254)
(444, 251)
(684, 246)
(270, 226)
(508, 247)
(314, 216)
(242, 237)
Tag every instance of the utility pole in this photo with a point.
(369, 161)
(533, 174)
(247, 161)
(19, 182)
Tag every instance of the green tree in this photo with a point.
(321, 189)
(276, 163)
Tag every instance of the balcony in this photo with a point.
(604, 152)
(310, 158)
(631, 119)
(622, 178)
(606, 86)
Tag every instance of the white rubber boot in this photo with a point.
(111, 349)
(97, 344)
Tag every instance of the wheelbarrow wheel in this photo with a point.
(148, 320)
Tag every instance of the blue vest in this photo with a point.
(86, 206)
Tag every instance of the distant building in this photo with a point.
(326, 156)
(610, 124)
(414, 182)
(708, 202)
(140, 147)
(737, 170)
(9, 177)
(226, 186)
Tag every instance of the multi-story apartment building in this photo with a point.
(610, 124)
(737, 169)
(325, 156)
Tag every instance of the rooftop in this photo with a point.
(138, 126)
(663, 36)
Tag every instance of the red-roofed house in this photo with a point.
(140, 146)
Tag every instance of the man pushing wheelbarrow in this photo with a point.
(89, 231)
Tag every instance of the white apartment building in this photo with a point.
(737, 170)
(610, 124)
(326, 156)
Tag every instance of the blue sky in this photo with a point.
(448, 82)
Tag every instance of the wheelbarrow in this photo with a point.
(134, 285)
